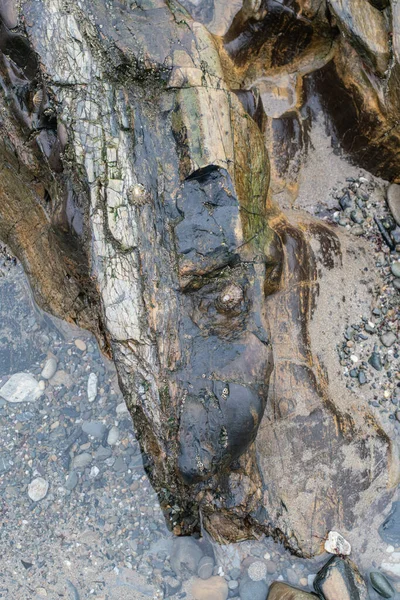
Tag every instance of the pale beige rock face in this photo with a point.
(214, 588)
(281, 591)
(366, 27)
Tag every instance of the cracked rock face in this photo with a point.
(149, 222)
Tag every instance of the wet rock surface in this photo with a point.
(340, 579)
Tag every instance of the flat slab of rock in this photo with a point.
(21, 387)
(393, 199)
(340, 578)
(282, 591)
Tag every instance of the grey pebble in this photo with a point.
(82, 460)
(395, 268)
(120, 465)
(233, 585)
(72, 481)
(205, 567)
(102, 453)
(252, 590)
(396, 283)
(381, 585)
(94, 428)
(388, 339)
(362, 379)
(49, 368)
(375, 361)
(113, 436)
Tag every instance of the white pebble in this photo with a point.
(354, 358)
(49, 368)
(113, 436)
(390, 549)
(37, 489)
(94, 471)
(336, 544)
(92, 387)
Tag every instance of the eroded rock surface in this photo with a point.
(140, 209)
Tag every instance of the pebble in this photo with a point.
(233, 584)
(395, 268)
(381, 585)
(339, 578)
(92, 387)
(121, 408)
(215, 588)
(336, 544)
(82, 460)
(375, 361)
(72, 481)
(388, 339)
(37, 489)
(49, 368)
(362, 379)
(186, 555)
(113, 436)
(80, 344)
(206, 567)
(257, 571)
(252, 590)
(21, 387)
(94, 428)
(282, 591)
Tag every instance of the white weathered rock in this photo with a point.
(49, 368)
(21, 387)
(336, 544)
(113, 436)
(92, 387)
(37, 489)
(121, 408)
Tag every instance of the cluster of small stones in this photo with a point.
(370, 349)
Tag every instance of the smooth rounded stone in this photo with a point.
(102, 453)
(92, 387)
(215, 588)
(21, 387)
(395, 268)
(396, 283)
(72, 481)
(336, 544)
(205, 568)
(362, 378)
(388, 339)
(121, 408)
(381, 585)
(282, 591)
(113, 436)
(340, 578)
(357, 230)
(94, 428)
(252, 590)
(233, 584)
(257, 571)
(37, 489)
(397, 415)
(185, 555)
(49, 368)
(390, 528)
(80, 344)
(393, 199)
(81, 460)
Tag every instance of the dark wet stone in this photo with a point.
(345, 201)
(375, 361)
(339, 578)
(252, 590)
(362, 379)
(390, 528)
(381, 585)
(385, 235)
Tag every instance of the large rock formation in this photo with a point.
(134, 188)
